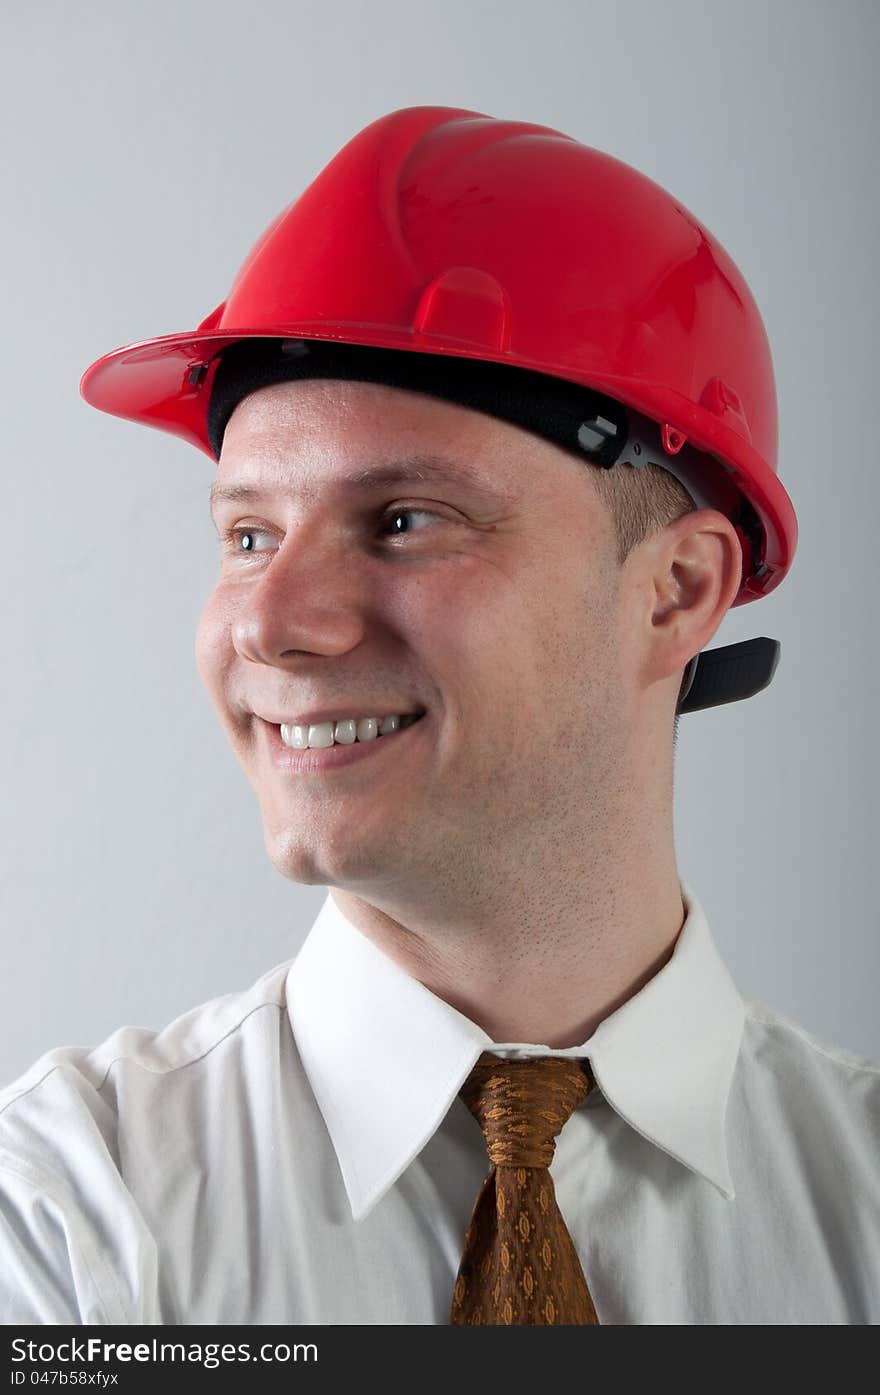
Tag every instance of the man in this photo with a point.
(463, 592)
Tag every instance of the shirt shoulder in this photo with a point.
(816, 1107)
(794, 1045)
(185, 1040)
(79, 1123)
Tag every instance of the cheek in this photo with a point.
(480, 632)
(460, 641)
(213, 645)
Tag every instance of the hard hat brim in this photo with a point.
(165, 382)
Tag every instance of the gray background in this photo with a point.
(145, 149)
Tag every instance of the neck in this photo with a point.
(535, 952)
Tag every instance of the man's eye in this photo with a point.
(390, 518)
(246, 536)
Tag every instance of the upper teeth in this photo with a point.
(348, 730)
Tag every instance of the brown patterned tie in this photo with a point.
(519, 1264)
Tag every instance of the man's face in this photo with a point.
(492, 604)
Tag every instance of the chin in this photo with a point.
(347, 863)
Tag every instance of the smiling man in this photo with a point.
(494, 426)
(512, 847)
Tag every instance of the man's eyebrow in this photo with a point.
(414, 468)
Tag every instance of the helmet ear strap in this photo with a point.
(687, 682)
(728, 673)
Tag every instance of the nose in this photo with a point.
(309, 599)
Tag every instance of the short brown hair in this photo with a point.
(641, 501)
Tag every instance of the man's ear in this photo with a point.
(695, 569)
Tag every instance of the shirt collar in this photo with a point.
(386, 1057)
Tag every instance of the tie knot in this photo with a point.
(522, 1105)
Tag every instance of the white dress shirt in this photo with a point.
(297, 1153)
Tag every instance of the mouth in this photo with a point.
(320, 759)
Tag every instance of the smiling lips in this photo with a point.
(333, 753)
(300, 736)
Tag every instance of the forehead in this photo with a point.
(333, 432)
(345, 410)
(413, 470)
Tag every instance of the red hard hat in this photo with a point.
(446, 231)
